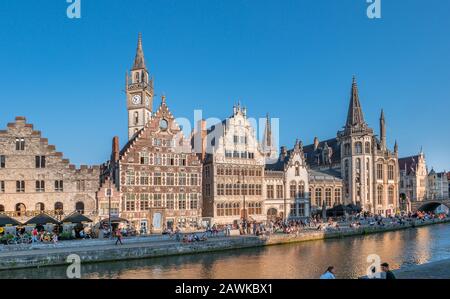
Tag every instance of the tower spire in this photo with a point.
(268, 133)
(355, 117)
(139, 60)
(382, 130)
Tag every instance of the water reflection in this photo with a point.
(303, 260)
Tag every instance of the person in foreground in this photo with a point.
(329, 274)
(389, 273)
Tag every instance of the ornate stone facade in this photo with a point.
(35, 178)
(233, 171)
(287, 184)
(413, 178)
(367, 168)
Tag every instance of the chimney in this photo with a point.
(115, 149)
(316, 143)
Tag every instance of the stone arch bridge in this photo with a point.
(429, 204)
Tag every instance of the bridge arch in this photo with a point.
(432, 206)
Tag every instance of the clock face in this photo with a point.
(136, 99)
(163, 124)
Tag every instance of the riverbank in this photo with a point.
(93, 251)
(433, 270)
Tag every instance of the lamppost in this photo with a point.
(109, 194)
(243, 194)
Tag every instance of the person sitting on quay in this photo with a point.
(389, 274)
(329, 274)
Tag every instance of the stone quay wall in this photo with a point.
(105, 250)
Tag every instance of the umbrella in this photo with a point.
(6, 220)
(76, 218)
(42, 219)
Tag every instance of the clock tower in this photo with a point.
(139, 90)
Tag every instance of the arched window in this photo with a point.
(380, 194)
(21, 209)
(391, 195)
(136, 77)
(318, 197)
(79, 207)
(358, 147)
(136, 118)
(2, 208)
(301, 190)
(328, 197)
(40, 207)
(337, 196)
(293, 189)
(59, 208)
(367, 147)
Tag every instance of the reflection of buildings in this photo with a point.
(413, 178)
(35, 178)
(157, 172)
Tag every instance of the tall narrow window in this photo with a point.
(293, 189)
(40, 161)
(130, 202)
(280, 191)
(270, 192)
(328, 197)
(391, 195)
(380, 194)
(136, 118)
(337, 196)
(59, 186)
(40, 186)
(301, 190)
(194, 201)
(318, 197)
(358, 148)
(379, 171)
(391, 172)
(2, 186)
(20, 186)
(2, 161)
(367, 147)
(144, 158)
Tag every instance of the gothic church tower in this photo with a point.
(356, 155)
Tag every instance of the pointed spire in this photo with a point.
(396, 147)
(355, 115)
(139, 60)
(382, 130)
(268, 133)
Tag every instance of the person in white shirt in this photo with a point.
(329, 274)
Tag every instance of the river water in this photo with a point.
(301, 260)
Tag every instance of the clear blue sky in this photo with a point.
(292, 58)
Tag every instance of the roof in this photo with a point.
(327, 175)
(42, 219)
(314, 157)
(76, 218)
(408, 163)
(6, 220)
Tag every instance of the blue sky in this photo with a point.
(292, 58)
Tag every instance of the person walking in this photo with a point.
(389, 274)
(329, 274)
(34, 235)
(119, 237)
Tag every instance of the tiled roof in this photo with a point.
(408, 163)
(315, 156)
